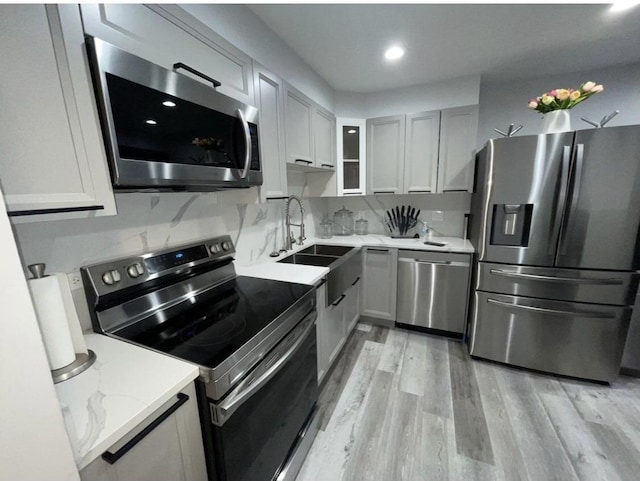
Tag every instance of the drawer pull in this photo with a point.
(573, 280)
(178, 65)
(371, 249)
(111, 458)
(544, 310)
(356, 281)
(335, 304)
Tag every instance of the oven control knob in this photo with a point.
(214, 248)
(226, 245)
(111, 277)
(135, 270)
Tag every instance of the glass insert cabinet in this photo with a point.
(351, 156)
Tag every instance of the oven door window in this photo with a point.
(255, 440)
(156, 127)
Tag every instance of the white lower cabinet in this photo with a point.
(379, 279)
(352, 307)
(335, 323)
(172, 450)
(53, 162)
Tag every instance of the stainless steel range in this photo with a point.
(253, 339)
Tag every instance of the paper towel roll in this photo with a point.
(52, 318)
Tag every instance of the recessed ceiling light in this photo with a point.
(394, 53)
(151, 122)
(623, 5)
(168, 103)
(352, 131)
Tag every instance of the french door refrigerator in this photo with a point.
(555, 220)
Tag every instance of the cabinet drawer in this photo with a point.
(567, 338)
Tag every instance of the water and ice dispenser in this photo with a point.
(511, 224)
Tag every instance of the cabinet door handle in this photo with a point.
(426, 191)
(339, 300)
(455, 190)
(327, 165)
(111, 458)
(371, 249)
(305, 161)
(384, 191)
(356, 281)
(178, 65)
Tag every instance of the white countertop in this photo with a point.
(453, 244)
(125, 385)
(271, 269)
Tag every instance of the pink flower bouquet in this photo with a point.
(559, 99)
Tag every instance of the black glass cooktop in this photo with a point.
(209, 328)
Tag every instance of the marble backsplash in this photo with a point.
(452, 206)
(153, 221)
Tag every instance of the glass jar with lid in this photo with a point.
(343, 222)
(362, 226)
(326, 229)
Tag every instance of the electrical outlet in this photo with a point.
(75, 281)
(437, 216)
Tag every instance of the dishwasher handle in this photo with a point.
(433, 262)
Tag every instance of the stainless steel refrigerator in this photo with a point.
(555, 221)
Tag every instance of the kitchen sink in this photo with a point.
(325, 250)
(309, 260)
(344, 263)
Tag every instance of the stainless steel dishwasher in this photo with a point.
(433, 291)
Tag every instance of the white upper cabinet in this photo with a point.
(324, 138)
(53, 162)
(436, 155)
(351, 156)
(421, 155)
(458, 131)
(299, 132)
(269, 95)
(310, 133)
(165, 35)
(385, 154)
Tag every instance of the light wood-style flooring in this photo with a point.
(400, 405)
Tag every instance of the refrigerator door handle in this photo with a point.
(575, 194)
(574, 280)
(544, 310)
(560, 206)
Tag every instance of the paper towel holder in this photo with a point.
(83, 361)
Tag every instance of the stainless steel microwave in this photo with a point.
(166, 131)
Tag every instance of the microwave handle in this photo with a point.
(247, 138)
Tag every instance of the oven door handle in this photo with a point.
(247, 139)
(221, 412)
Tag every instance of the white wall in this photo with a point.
(418, 98)
(244, 29)
(504, 103)
(33, 441)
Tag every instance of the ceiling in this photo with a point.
(345, 43)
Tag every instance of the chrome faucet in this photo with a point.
(287, 217)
